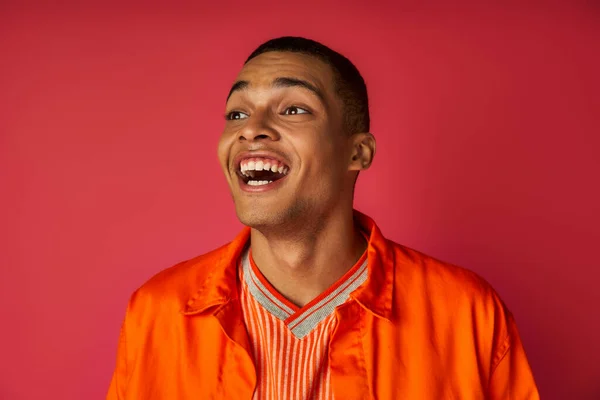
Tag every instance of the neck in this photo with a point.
(302, 265)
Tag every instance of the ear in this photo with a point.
(363, 150)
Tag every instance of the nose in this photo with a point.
(258, 128)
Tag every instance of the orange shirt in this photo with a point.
(417, 328)
(290, 344)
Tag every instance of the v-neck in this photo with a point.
(302, 320)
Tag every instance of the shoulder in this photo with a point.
(438, 278)
(457, 297)
(173, 286)
(450, 301)
(453, 307)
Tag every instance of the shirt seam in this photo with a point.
(504, 349)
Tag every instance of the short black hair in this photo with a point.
(349, 84)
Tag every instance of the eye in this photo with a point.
(293, 110)
(234, 115)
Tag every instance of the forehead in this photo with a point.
(263, 69)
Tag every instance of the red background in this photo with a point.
(487, 120)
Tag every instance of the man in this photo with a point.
(310, 301)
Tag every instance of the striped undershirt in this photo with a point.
(290, 343)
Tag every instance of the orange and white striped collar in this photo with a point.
(301, 320)
(219, 285)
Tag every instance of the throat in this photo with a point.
(301, 272)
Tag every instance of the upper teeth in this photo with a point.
(263, 165)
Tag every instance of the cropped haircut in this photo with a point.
(349, 84)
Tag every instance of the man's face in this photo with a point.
(283, 150)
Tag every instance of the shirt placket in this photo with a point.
(349, 379)
(238, 372)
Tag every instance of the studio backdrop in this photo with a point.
(487, 124)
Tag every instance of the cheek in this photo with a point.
(313, 140)
(223, 149)
(322, 160)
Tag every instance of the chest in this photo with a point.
(290, 362)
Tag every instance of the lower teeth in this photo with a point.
(258, 183)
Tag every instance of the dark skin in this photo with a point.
(303, 236)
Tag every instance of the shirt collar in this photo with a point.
(375, 295)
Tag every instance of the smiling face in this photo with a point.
(284, 151)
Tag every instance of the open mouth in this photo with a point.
(260, 171)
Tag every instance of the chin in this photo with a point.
(272, 217)
(256, 218)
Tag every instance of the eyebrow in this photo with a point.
(294, 82)
(281, 82)
(238, 86)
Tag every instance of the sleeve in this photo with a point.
(512, 378)
(118, 383)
